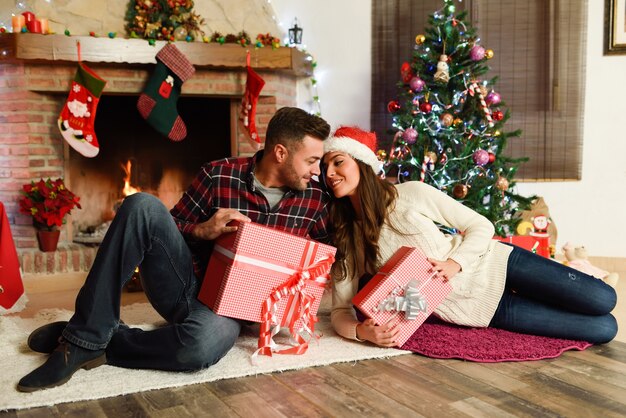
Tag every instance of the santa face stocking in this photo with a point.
(77, 118)
(157, 103)
(254, 85)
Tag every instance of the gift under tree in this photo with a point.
(448, 121)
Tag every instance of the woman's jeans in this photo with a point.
(144, 234)
(544, 297)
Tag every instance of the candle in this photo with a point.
(18, 22)
(29, 16)
(44, 26)
(35, 26)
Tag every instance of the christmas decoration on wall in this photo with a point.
(171, 20)
(448, 122)
(254, 85)
(76, 121)
(157, 103)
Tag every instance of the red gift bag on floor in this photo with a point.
(11, 286)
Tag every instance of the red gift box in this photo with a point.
(404, 292)
(260, 274)
(538, 244)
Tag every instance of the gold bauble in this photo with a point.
(502, 184)
(446, 119)
(419, 39)
(489, 54)
(460, 191)
(381, 154)
(431, 155)
(457, 122)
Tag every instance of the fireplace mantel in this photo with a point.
(46, 48)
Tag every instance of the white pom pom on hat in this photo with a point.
(359, 144)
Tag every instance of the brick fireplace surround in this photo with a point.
(35, 76)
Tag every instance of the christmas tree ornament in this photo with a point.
(426, 107)
(442, 74)
(416, 84)
(393, 106)
(406, 72)
(457, 122)
(492, 158)
(410, 136)
(157, 103)
(497, 115)
(381, 154)
(502, 183)
(77, 118)
(443, 159)
(493, 98)
(254, 85)
(419, 39)
(460, 191)
(446, 119)
(427, 164)
(474, 89)
(432, 156)
(477, 53)
(489, 54)
(480, 157)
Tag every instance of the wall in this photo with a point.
(587, 212)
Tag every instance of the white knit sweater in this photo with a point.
(477, 288)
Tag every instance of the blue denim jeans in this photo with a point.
(144, 234)
(544, 297)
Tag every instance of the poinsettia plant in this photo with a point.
(48, 202)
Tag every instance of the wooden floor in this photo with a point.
(591, 383)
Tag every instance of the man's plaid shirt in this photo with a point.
(229, 183)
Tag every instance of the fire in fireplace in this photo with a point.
(134, 157)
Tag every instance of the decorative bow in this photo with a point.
(406, 299)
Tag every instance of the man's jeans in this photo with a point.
(144, 234)
(544, 297)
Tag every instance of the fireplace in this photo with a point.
(36, 72)
(154, 163)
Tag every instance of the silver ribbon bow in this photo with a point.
(408, 300)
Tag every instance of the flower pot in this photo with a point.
(48, 240)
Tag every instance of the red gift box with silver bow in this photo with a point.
(403, 292)
(265, 275)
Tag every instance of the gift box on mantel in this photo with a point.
(258, 272)
(404, 292)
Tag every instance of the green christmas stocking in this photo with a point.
(157, 103)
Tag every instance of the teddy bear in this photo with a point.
(576, 257)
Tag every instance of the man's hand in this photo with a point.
(218, 224)
(445, 270)
(380, 335)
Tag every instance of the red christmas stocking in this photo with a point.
(157, 103)
(77, 118)
(254, 85)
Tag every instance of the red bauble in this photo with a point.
(405, 72)
(426, 107)
(393, 106)
(492, 157)
(460, 191)
(497, 115)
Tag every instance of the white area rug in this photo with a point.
(16, 360)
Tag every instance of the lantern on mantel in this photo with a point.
(295, 34)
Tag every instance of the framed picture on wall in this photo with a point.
(615, 27)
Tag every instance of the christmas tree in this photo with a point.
(448, 122)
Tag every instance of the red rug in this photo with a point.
(439, 339)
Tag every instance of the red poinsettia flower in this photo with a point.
(48, 202)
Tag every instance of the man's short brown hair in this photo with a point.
(290, 125)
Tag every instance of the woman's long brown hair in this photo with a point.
(377, 198)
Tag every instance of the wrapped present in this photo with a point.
(538, 244)
(269, 276)
(404, 292)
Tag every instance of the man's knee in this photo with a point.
(205, 348)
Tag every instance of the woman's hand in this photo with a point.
(218, 224)
(445, 270)
(380, 335)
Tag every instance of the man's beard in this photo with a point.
(291, 178)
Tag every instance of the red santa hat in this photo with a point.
(359, 144)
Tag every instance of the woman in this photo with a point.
(494, 284)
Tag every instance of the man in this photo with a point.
(274, 188)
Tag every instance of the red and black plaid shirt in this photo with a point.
(229, 183)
